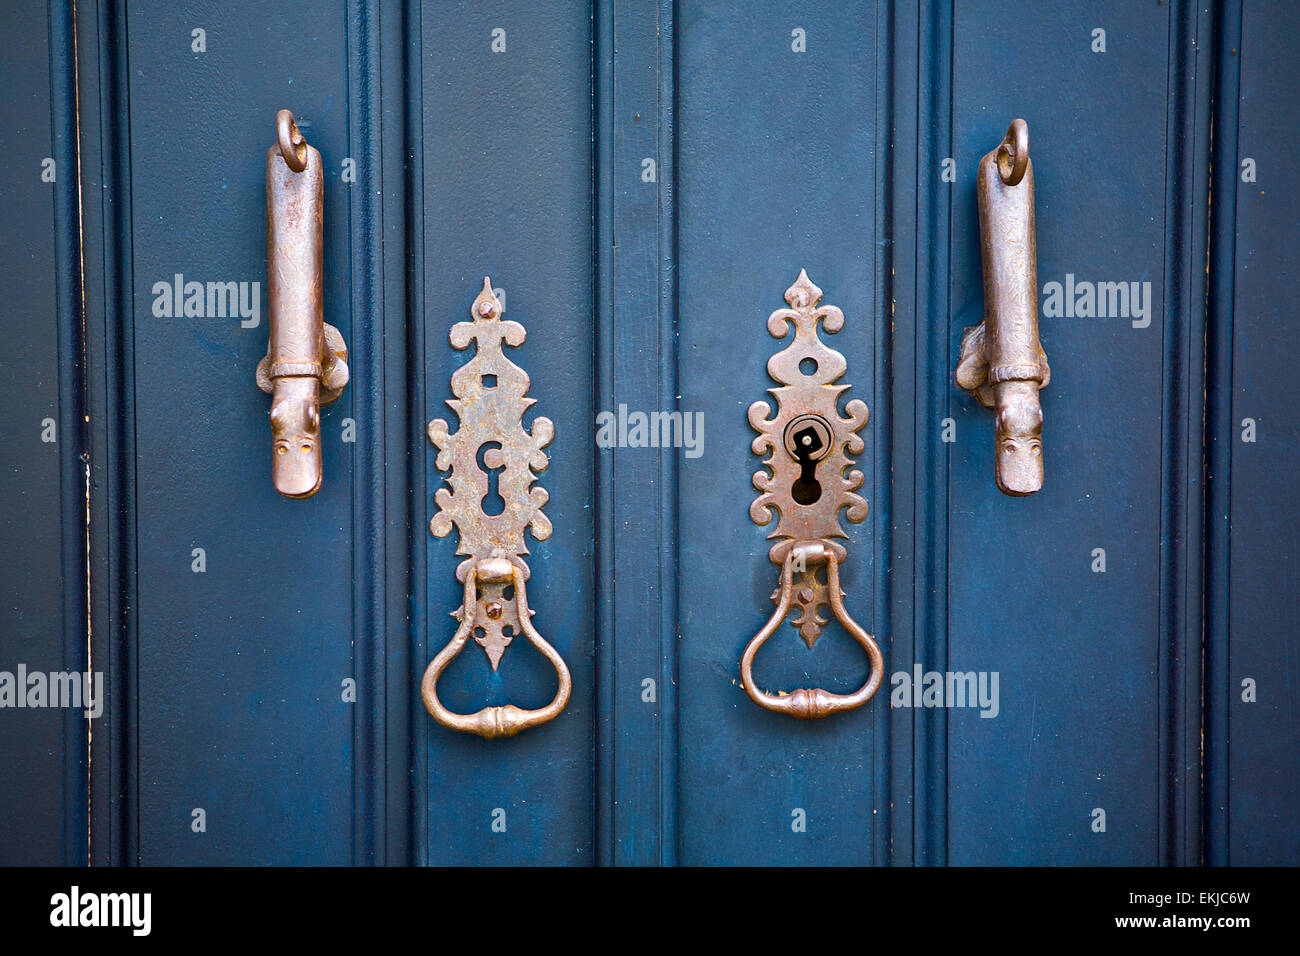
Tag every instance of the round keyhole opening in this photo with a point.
(806, 492)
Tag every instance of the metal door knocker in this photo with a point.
(306, 363)
(491, 398)
(805, 486)
(1002, 363)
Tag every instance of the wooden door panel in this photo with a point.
(777, 156)
(643, 182)
(1078, 725)
(234, 740)
(1256, 765)
(507, 193)
(43, 747)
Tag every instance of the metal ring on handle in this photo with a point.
(507, 720)
(1013, 153)
(293, 147)
(812, 703)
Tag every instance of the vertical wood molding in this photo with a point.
(1219, 433)
(882, 407)
(901, 427)
(400, 839)
(1180, 623)
(73, 444)
(103, 84)
(408, 781)
(933, 386)
(636, 555)
(369, 549)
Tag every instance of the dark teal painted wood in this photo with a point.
(927, 485)
(882, 527)
(1079, 726)
(1219, 437)
(106, 180)
(637, 550)
(527, 165)
(401, 262)
(43, 751)
(507, 192)
(906, 242)
(776, 171)
(370, 566)
(1182, 613)
(1261, 775)
(233, 676)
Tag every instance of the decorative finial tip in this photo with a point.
(803, 294)
(486, 304)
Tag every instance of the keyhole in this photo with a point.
(492, 504)
(807, 443)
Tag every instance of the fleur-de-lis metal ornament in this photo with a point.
(805, 485)
(491, 398)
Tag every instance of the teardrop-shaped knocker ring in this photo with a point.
(812, 702)
(806, 482)
(491, 398)
(507, 720)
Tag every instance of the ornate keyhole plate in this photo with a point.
(807, 481)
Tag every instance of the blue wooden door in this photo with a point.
(642, 182)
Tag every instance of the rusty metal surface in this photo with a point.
(1002, 362)
(805, 486)
(306, 360)
(491, 398)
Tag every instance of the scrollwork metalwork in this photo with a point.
(491, 397)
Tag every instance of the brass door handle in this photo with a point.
(488, 610)
(1002, 362)
(805, 486)
(811, 702)
(306, 363)
(491, 398)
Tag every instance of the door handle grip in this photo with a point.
(507, 720)
(812, 702)
(806, 483)
(1002, 362)
(491, 398)
(306, 363)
